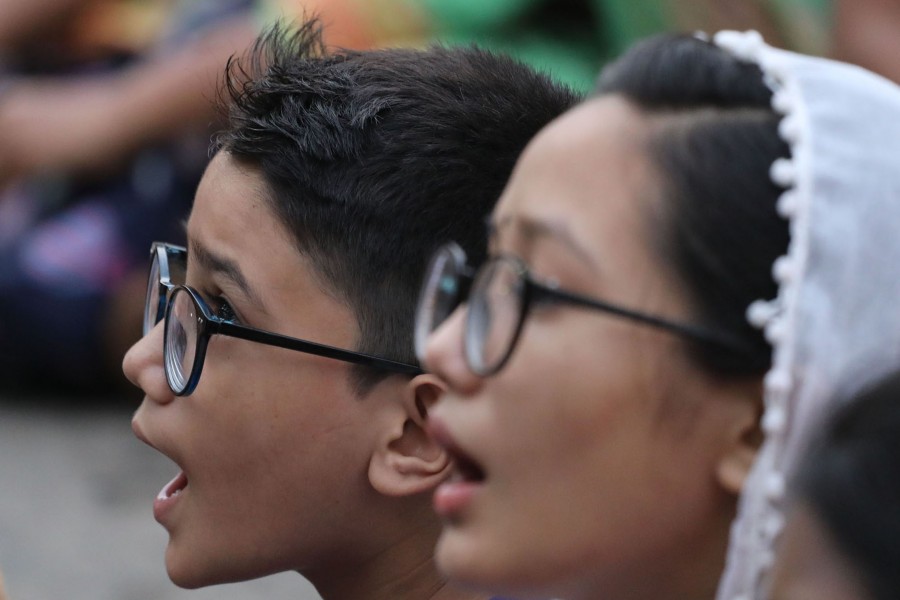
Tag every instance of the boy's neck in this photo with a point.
(403, 571)
(422, 583)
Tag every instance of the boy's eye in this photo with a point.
(223, 310)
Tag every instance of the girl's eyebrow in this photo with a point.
(533, 229)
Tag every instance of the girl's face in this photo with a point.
(271, 448)
(599, 461)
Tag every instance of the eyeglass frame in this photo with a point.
(210, 325)
(162, 252)
(535, 291)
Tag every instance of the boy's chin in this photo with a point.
(186, 571)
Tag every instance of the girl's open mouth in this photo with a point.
(453, 496)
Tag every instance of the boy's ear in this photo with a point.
(406, 460)
(745, 438)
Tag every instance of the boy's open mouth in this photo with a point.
(174, 487)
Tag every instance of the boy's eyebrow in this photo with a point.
(219, 264)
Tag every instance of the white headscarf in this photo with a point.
(835, 325)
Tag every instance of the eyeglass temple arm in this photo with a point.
(691, 331)
(289, 343)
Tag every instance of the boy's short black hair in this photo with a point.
(375, 158)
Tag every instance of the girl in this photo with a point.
(606, 384)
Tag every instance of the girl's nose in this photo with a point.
(445, 357)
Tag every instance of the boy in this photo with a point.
(333, 183)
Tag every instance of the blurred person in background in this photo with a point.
(105, 109)
(842, 538)
(573, 38)
(569, 38)
(867, 32)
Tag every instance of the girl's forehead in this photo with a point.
(526, 231)
(585, 180)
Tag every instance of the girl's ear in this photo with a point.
(745, 438)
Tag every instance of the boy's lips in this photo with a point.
(170, 493)
(455, 494)
(168, 496)
(139, 433)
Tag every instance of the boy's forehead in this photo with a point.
(230, 203)
(234, 234)
(231, 225)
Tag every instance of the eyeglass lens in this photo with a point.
(494, 314)
(151, 306)
(182, 333)
(440, 296)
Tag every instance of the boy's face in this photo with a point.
(273, 444)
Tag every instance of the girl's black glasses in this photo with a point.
(499, 295)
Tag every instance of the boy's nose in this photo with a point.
(143, 366)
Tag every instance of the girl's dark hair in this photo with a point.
(851, 480)
(716, 139)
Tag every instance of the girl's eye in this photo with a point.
(542, 302)
(542, 297)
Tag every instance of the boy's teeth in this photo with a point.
(173, 488)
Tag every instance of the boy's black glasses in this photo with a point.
(500, 294)
(168, 264)
(189, 324)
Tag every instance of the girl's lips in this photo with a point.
(452, 497)
(455, 494)
(168, 496)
